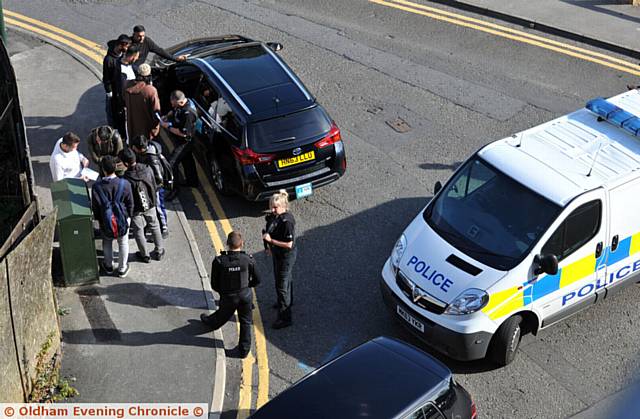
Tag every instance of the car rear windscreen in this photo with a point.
(290, 130)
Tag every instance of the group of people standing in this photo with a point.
(134, 175)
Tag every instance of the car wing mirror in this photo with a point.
(547, 264)
(437, 187)
(276, 46)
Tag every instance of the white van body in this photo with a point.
(466, 277)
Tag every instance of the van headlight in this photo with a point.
(468, 302)
(398, 251)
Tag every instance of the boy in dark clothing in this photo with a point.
(121, 74)
(116, 48)
(109, 185)
(149, 152)
(147, 45)
(143, 186)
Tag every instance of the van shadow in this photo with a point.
(337, 300)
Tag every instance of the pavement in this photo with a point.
(612, 25)
(133, 339)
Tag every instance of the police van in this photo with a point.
(528, 231)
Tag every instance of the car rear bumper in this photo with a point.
(255, 189)
(460, 346)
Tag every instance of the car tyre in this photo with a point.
(506, 341)
(217, 177)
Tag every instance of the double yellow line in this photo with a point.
(512, 34)
(96, 53)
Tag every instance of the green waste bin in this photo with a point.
(75, 232)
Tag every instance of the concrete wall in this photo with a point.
(28, 313)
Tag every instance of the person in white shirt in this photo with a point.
(66, 161)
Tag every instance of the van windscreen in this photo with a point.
(489, 216)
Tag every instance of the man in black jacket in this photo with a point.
(116, 48)
(143, 187)
(180, 123)
(233, 274)
(149, 152)
(122, 73)
(147, 45)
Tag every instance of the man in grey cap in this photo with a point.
(142, 105)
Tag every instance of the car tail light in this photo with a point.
(331, 138)
(247, 156)
(474, 410)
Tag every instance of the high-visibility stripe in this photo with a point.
(507, 301)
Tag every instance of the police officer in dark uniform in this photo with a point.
(233, 274)
(278, 237)
(181, 124)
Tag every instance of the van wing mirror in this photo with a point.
(276, 46)
(547, 264)
(437, 187)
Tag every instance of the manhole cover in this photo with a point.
(399, 125)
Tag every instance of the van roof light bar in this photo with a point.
(615, 115)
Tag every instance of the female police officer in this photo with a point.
(279, 237)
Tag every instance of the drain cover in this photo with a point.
(399, 125)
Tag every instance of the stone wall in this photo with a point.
(28, 313)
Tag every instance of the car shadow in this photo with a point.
(187, 335)
(148, 295)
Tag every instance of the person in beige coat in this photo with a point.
(142, 104)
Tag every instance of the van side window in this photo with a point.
(477, 175)
(579, 227)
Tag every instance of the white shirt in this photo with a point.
(127, 71)
(65, 165)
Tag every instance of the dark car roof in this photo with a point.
(378, 379)
(253, 76)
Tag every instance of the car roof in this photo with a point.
(254, 77)
(570, 155)
(381, 378)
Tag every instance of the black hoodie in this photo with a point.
(109, 65)
(141, 176)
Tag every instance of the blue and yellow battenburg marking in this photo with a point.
(506, 301)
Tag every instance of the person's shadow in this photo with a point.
(43, 131)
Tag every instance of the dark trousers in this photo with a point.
(282, 268)
(183, 153)
(108, 108)
(118, 116)
(228, 304)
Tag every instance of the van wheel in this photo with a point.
(506, 341)
(219, 182)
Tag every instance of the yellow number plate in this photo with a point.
(297, 159)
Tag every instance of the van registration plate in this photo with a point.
(410, 319)
(311, 155)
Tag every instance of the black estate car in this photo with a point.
(259, 129)
(382, 378)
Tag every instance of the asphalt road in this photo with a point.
(458, 89)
